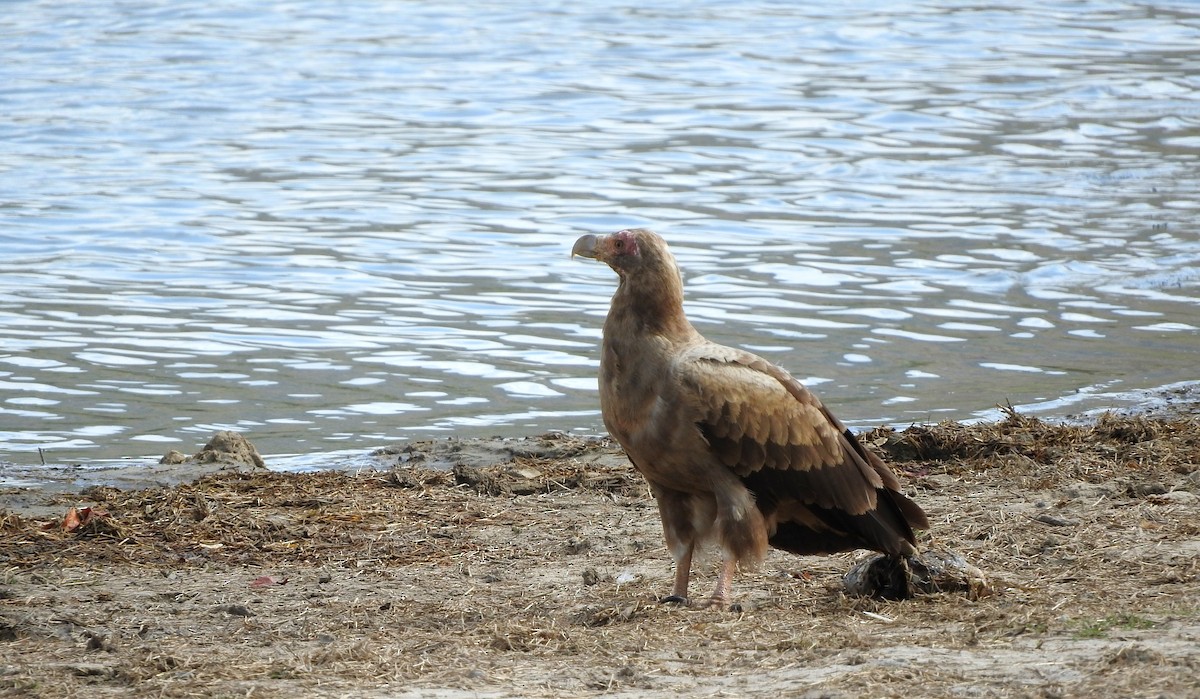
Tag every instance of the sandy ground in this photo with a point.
(533, 568)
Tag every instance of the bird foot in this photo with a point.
(710, 603)
(713, 603)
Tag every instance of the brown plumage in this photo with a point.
(732, 446)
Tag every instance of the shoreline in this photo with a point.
(28, 488)
(1175, 398)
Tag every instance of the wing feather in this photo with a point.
(733, 400)
(755, 417)
(753, 455)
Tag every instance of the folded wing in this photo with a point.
(819, 488)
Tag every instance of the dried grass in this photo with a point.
(540, 576)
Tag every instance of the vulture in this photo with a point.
(733, 448)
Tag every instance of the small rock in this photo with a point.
(173, 457)
(525, 487)
(591, 576)
(577, 545)
(1145, 489)
(230, 447)
(225, 447)
(96, 641)
(1046, 518)
(235, 610)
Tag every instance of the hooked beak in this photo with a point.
(586, 247)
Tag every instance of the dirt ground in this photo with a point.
(533, 568)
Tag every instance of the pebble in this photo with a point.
(235, 610)
(1054, 521)
(1150, 488)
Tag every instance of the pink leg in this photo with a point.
(723, 591)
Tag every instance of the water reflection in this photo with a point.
(335, 230)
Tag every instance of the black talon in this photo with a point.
(674, 599)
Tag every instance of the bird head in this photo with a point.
(651, 286)
(617, 249)
(627, 251)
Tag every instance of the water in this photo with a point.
(337, 226)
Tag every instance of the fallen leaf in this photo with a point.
(77, 518)
(72, 520)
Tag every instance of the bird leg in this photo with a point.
(723, 591)
(679, 529)
(683, 572)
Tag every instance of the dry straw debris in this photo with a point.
(539, 575)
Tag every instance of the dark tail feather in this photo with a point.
(877, 530)
(913, 514)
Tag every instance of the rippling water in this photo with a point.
(332, 226)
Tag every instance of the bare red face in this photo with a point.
(623, 243)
